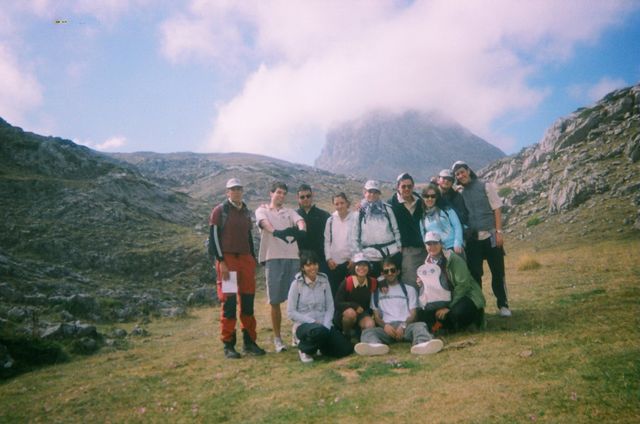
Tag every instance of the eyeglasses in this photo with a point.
(429, 196)
(406, 186)
(305, 196)
(389, 270)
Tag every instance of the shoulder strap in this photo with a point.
(349, 284)
(406, 294)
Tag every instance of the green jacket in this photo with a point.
(461, 280)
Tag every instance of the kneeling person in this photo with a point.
(394, 311)
(353, 298)
(310, 307)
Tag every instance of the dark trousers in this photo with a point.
(460, 316)
(314, 336)
(336, 276)
(477, 252)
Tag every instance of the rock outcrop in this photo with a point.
(589, 158)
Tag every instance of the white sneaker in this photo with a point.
(371, 349)
(427, 348)
(505, 312)
(279, 344)
(304, 357)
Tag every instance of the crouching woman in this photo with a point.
(310, 307)
(449, 295)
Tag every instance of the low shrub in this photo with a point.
(527, 263)
(534, 221)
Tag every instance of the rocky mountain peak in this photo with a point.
(382, 144)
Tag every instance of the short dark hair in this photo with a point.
(304, 187)
(404, 176)
(389, 261)
(308, 257)
(341, 194)
(277, 185)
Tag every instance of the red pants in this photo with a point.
(245, 266)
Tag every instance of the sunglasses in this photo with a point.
(406, 186)
(429, 196)
(432, 243)
(373, 191)
(305, 196)
(389, 270)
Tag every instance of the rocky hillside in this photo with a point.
(75, 223)
(97, 237)
(383, 145)
(203, 176)
(583, 176)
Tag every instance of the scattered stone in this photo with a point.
(6, 361)
(175, 312)
(139, 332)
(17, 314)
(202, 296)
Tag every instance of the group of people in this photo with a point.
(382, 272)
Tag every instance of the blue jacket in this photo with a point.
(446, 222)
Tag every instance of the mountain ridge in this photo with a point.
(381, 144)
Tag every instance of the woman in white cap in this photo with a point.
(353, 299)
(449, 296)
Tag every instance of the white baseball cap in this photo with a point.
(234, 182)
(372, 185)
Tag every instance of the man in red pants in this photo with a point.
(231, 246)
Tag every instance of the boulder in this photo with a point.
(6, 361)
(202, 296)
(18, 314)
(174, 312)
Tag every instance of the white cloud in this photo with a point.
(111, 143)
(327, 61)
(604, 87)
(593, 92)
(19, 88)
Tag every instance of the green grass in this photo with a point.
(570, 353)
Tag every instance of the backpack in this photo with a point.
(361, 218)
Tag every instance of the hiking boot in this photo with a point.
(427, 348)
(250, 346)
(253, 349)
(371, 349)
(505, 312)
(304, 357)
(279, 345)
(230, 351)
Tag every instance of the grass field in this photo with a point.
(570, 353)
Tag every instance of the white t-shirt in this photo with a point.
(272, 247)
(337, 237)
(393, 305)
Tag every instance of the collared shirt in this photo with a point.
(409, 204)
(357, 284)
(272, 247)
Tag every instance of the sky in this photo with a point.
(272, 77)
